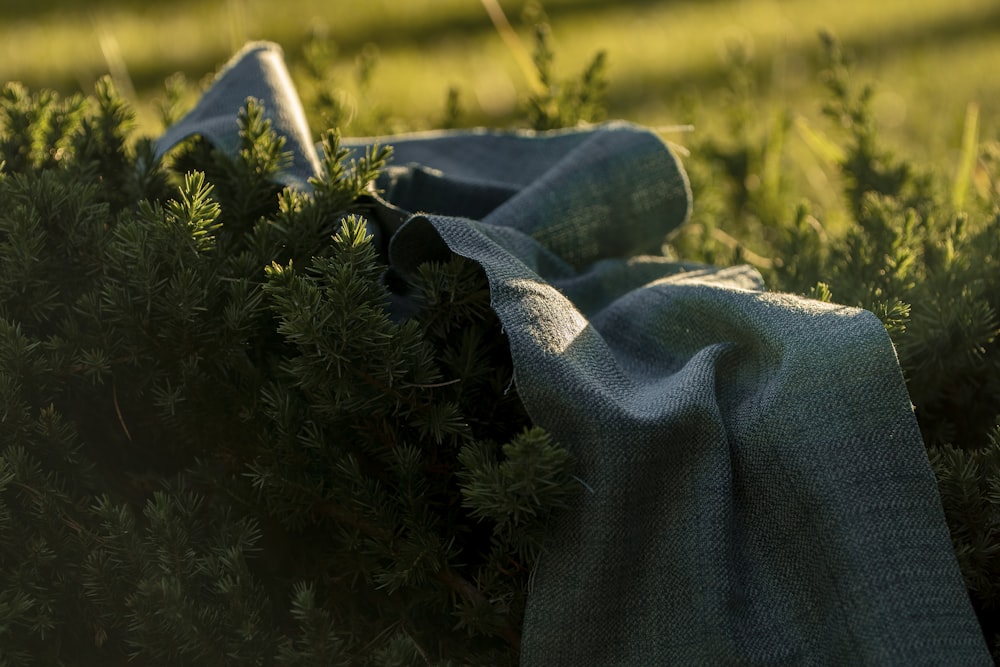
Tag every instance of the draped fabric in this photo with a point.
(756, 488)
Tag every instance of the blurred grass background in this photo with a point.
(667, 59)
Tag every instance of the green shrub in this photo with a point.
(216, 447)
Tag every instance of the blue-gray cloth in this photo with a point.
(757, 488)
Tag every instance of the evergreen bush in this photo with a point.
(217, 447)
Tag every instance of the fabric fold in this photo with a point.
(758, 491)
(584, 194)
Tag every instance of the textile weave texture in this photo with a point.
(757, 491)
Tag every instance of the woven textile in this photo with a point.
(757, 491)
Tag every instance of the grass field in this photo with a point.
(929, 58)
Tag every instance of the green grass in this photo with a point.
(930, 58)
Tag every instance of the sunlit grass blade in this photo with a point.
(111, 50)
(819, 143)
(970, 152)
(514, 43)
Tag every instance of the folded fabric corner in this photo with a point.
(257, 71)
